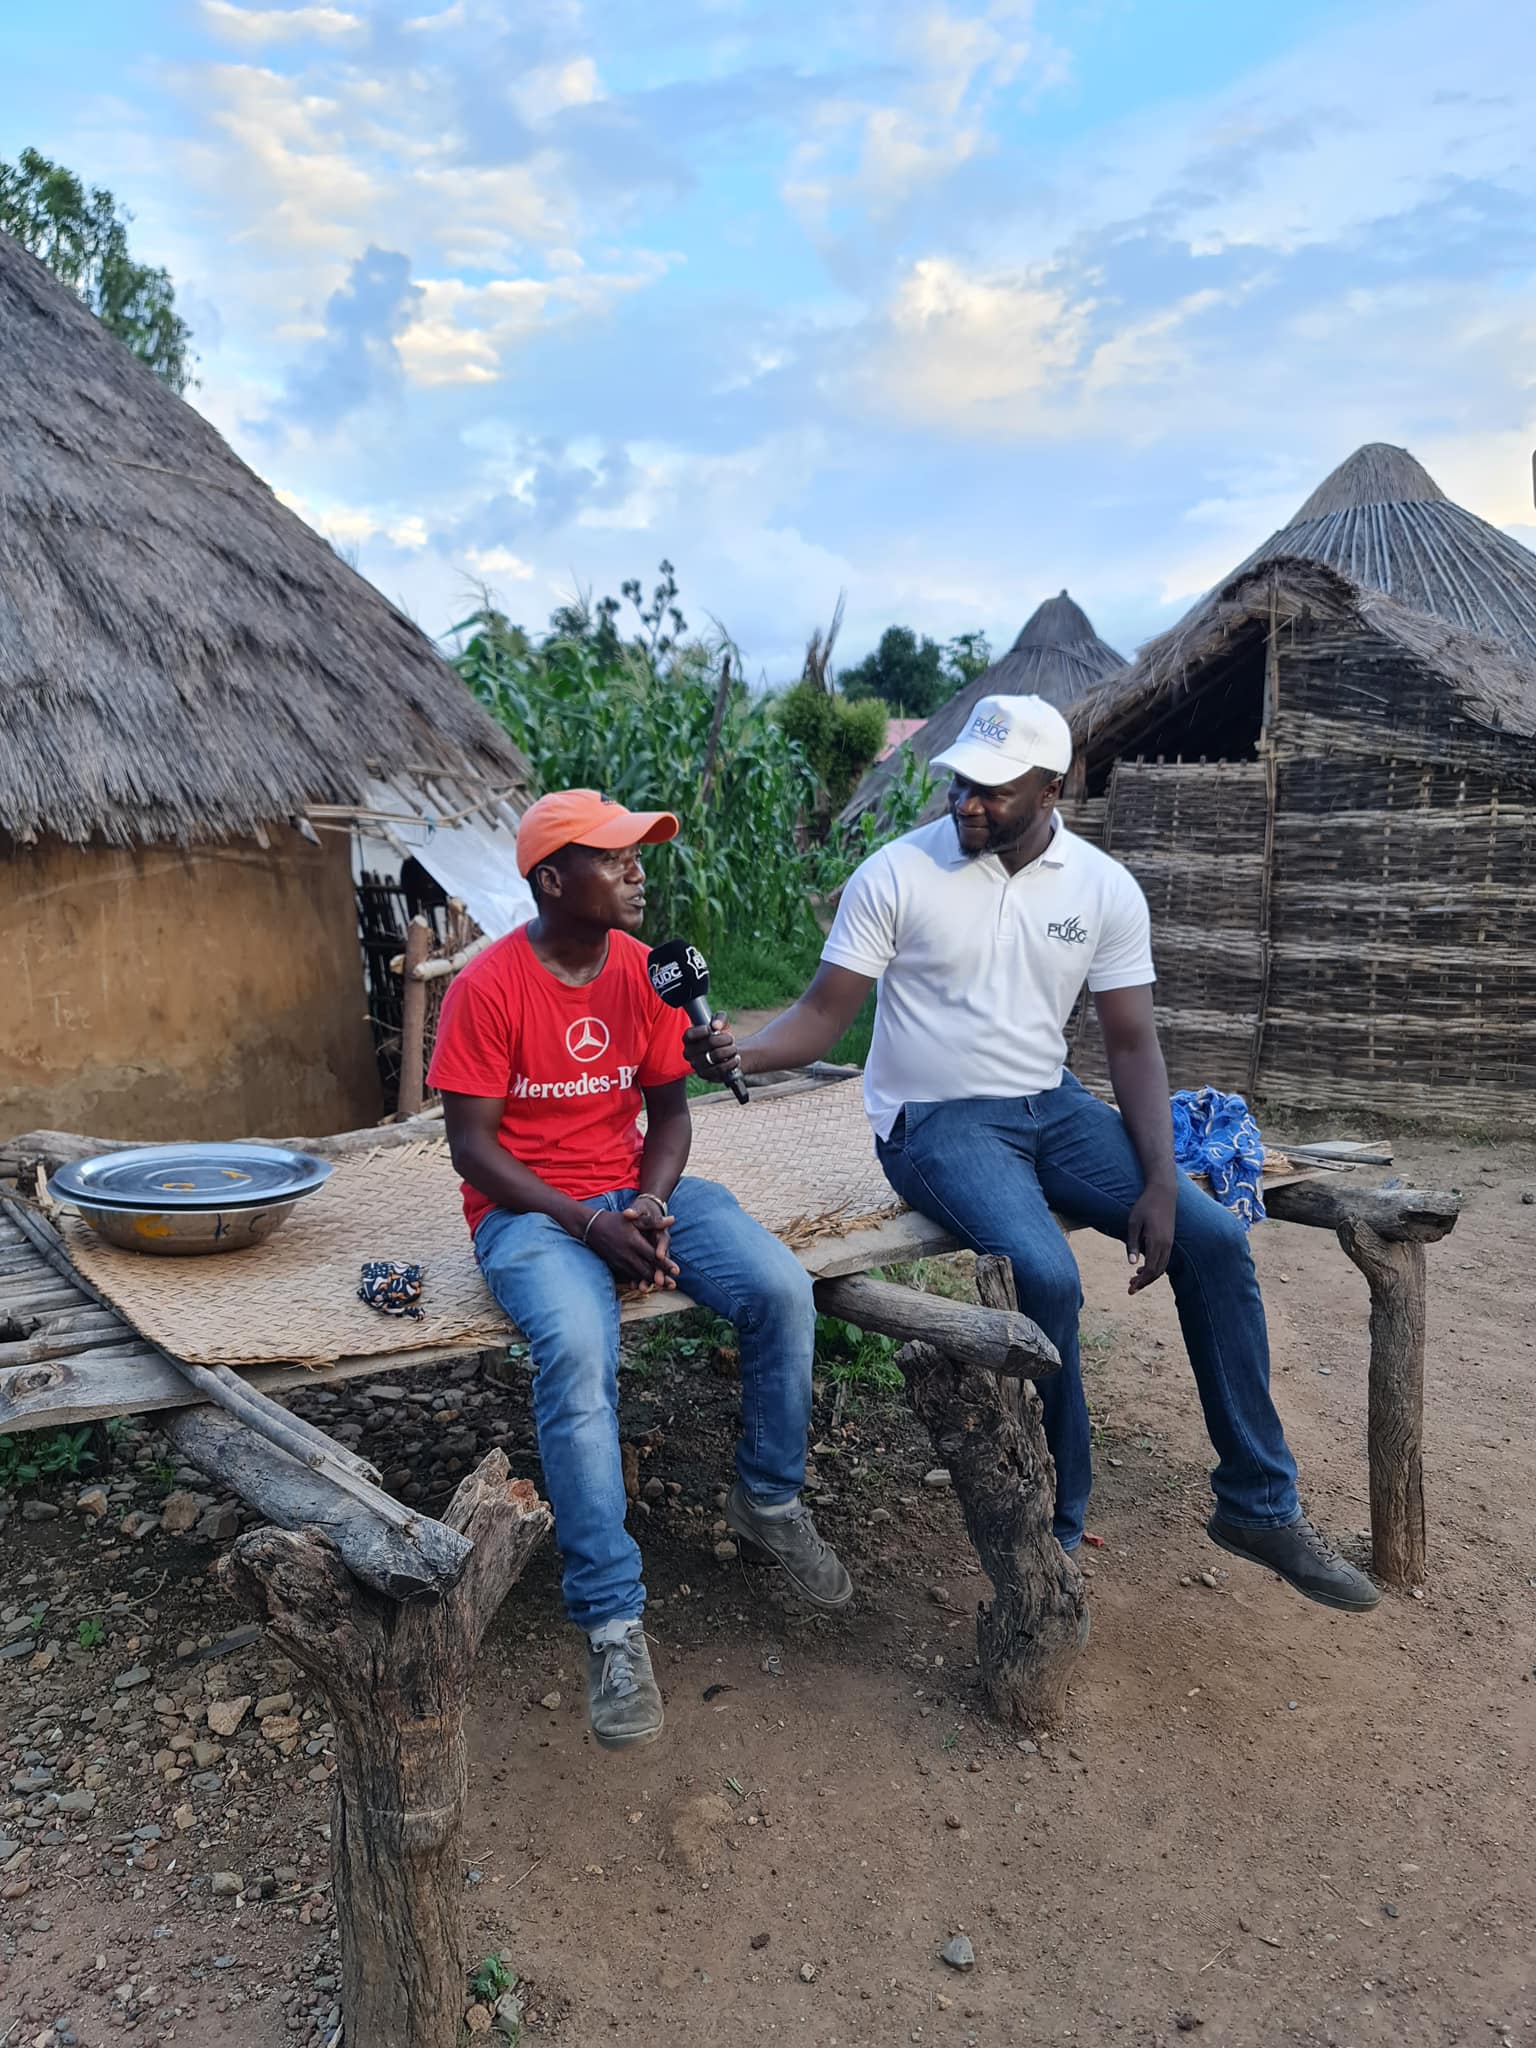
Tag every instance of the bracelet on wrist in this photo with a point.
(596, 1214)
(645, 1196)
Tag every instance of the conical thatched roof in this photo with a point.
(1383, 521)
(181, 658)
(1493, 683)
(1057, 656)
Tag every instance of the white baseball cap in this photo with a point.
(1007, 736)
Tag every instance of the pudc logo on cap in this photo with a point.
(1006, 737)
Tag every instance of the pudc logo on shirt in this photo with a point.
(1069, 930)
(587, 1039)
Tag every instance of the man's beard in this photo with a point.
(999, 839)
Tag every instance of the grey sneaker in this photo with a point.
(794, 1543)
(1303, 1557)
(623, 1698)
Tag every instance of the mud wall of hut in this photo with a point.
(197, 992)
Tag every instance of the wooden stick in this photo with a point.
(413, 1019)
(425, 1564)
(987, 1339)
(308, 1446)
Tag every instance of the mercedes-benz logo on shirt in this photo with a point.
(587, 1039)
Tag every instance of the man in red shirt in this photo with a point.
(548, 1044)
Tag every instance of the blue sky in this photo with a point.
(944, 305)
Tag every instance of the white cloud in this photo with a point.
(257, 25)
(499, 561)
(976, 352)
(465, 331)
(551, 88)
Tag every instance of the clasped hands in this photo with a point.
(633, 1243)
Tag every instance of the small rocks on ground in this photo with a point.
(225, 1716)
(807, 1973)
(958, 1953)
(938, 1479)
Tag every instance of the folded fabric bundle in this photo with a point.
(392, 1286)
(1215, 1135)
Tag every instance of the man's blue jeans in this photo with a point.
(563, 1299)
(992, 1172)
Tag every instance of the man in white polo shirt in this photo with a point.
(981, 931)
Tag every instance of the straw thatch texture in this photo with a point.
(1383, 521)
(1057, 656)
(181, 658)
(1485, 685)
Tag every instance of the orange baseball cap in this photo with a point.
(583, 817)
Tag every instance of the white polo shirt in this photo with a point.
(979, 970)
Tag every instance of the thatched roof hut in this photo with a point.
(1329, 793)
(1056, 656)
(185, 668)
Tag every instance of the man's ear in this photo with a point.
(547, 876)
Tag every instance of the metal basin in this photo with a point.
(187, 1233)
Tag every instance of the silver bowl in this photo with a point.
(187, 1233)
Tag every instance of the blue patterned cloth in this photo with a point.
(1215, 1134)
(394, 1286)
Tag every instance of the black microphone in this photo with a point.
(680, 977)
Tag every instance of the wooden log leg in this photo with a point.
(1395, 1429)
(990, 1434)
(396, 1677)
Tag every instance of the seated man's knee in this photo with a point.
(1049, 1294)
(1209, 1236)
(575, 1367)
(781, 1295)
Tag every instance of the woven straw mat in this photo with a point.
(804, 1165)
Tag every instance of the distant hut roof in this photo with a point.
(1056, 656)
(1383, 521)
(181, 658)
(1493, 682)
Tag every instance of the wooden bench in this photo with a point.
(386, 1607)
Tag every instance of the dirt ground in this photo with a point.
(1264, 1822)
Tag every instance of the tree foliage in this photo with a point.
(82, 236)
(913, 675)
(616, 696)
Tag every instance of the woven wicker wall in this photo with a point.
(1192, 833)
(1404, 903)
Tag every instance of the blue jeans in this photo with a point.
(992, 1172)
(563, 1299)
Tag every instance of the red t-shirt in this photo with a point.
(571, 1062)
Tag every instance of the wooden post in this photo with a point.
(396, 1678)
(413, 1019)
(1396, 1277)
(1384, 1232)
(990, 1435)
